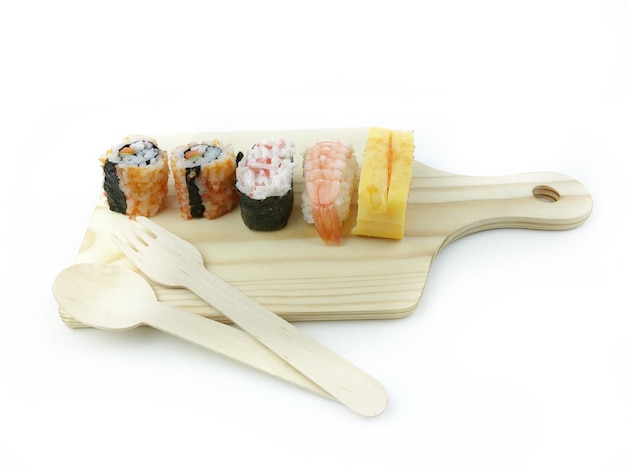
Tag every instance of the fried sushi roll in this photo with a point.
(331, 174)
(265, 184)
(204, 176)
(135, 176)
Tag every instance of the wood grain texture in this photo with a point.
(294, 274)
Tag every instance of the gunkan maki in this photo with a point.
(264, 181)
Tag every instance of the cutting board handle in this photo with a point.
(542, 201)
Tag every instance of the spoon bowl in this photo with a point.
(103, 296)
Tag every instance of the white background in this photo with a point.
(516, 356)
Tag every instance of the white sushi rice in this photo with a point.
(267, 169)
(207, 154)
(145, 150)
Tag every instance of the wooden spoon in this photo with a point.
(110, 297)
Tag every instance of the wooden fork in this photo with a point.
(171, 261)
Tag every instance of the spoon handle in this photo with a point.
(345, 382)
(227, 341)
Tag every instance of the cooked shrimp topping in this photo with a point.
(330, 174)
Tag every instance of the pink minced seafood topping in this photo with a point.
(267, 169)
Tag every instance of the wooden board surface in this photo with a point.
(294, 274)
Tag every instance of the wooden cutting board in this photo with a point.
(294, 274)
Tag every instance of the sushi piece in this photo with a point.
(331, 174)
(265, 184)
(385, 182)
(204, 177)
(135, 176)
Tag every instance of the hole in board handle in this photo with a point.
(546, 194)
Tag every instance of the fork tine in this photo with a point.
(152, 227)
(139, 233)
(150, 247)
(125, 244)
(144, 227)
(160, 236)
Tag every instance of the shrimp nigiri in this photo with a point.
(330, 173)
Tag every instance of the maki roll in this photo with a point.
(265, 184)
(331, 175)
(204, 176)
(135, 176)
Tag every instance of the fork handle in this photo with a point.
(227, 341)
(345, 382)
